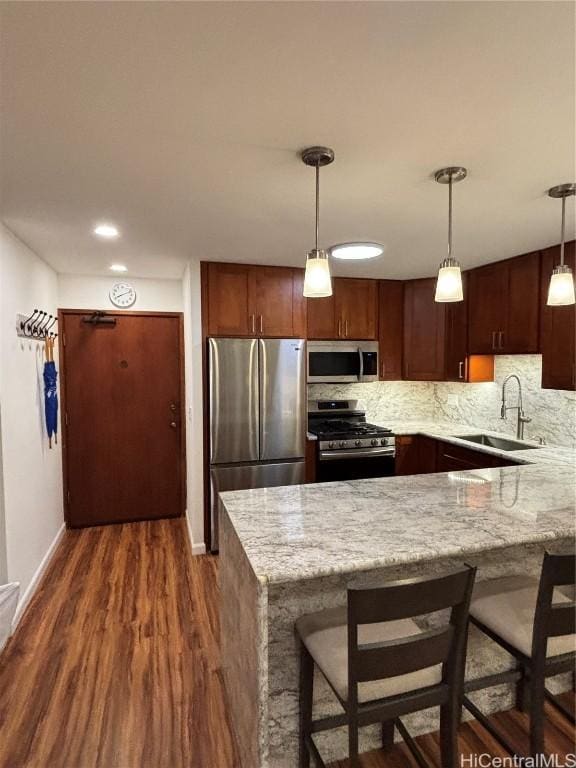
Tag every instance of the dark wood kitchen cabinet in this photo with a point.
(245, 300)
(424, 332)
(350, 313)
(454, 458)
(503, 301)
(407, 460)
(390, 328)
(557, 327)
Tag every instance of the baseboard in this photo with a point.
(200, 547)
(31, 588)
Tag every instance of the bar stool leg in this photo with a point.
(306, 698)
(523, 692)
(353, 742)
(537, 695)
(387, 735)
(449, 720)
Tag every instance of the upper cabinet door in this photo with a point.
(321, 318)
(356, 308)
(456, 368)
(390, 328)
(487, 299)
(557, 327)
(274, 301)
(228, 300)
(424, 332)
(521, 335)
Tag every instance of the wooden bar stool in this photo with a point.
(535, 625)
(381, 665)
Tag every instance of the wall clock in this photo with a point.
(122, 295)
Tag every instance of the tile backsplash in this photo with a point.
(553, 412)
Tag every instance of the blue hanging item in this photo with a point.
(51, 400)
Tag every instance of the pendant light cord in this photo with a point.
(562, 232)
(317, 203)
(450, 217)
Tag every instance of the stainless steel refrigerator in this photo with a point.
(257, 415)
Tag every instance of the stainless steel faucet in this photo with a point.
(522, 419)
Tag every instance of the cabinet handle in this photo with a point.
(346, 329)
(460, 369)
(493, 339)
(501, 340)
(339, 328)
(261, 324)
(253, 323)
(383, 370)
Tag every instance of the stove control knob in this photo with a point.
(383, 441)
(373, 442)
(342, 444)
(358, 443)
(331, 445)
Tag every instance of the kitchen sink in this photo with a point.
(501, 443)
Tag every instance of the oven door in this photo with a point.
(342, 361)
(355, 465)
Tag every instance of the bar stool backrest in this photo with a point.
(408, 599)
(553, 619)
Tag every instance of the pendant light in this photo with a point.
(561, 289)
(449, 282)
(317, 280)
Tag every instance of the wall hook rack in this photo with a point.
(37, 326)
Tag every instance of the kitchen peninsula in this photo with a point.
(290, 551)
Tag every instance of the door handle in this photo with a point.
(460, 369)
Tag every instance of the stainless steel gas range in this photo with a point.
(349, 448)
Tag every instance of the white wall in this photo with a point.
(194, 424)
(86, 292)
(32, 473)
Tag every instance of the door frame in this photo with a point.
(62, 313)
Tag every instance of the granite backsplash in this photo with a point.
(553, 412)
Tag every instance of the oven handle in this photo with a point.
(361, 374)
(368, 453)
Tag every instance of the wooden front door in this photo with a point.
(122, 417)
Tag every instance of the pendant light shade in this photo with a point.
(561, 288)
(449, 281)
(317, 279)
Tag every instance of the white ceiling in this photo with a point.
(182, 123)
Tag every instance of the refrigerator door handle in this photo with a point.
(261, 380)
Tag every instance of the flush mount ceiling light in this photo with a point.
(118, 268)
(449, 282)
(107, 231)
(317, 280)
(356, 251)
(561, 289)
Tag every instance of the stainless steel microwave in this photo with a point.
(342, 361)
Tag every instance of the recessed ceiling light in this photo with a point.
(108, 231)
(356, 250)
(118, 268)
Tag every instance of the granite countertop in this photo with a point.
(306, 531)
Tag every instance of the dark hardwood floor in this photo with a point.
(116, 664)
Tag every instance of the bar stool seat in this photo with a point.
(325, 635)
(507, 607)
